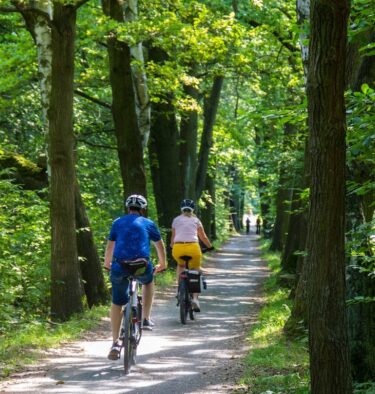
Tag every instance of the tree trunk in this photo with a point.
(164, 163)
(283, 197)
(188, 147)
(91, 269)
(292, 243)
(327, 321)
(360, 210)
(297, 321)
(66, 290)
(142, 98)
(92, 276)
(164, 157)
(210, 109)
(262, 185)
(208, 212)
(129, 139)
(360, 284)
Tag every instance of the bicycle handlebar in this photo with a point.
(205, 250)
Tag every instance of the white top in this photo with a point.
(186, 228)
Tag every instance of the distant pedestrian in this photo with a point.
(247, 226)
(258, 225)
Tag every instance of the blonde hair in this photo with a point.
(188, 213)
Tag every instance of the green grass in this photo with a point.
(275, 364)
(34, 338)
(24, 345)
(165, 279)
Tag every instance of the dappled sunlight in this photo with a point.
(173, 358)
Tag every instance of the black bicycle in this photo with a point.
(190, 282)
(131, 324)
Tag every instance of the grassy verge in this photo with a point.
(275, 364)
(25, 345)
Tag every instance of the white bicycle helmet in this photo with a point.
(187, 205)
(136, 201)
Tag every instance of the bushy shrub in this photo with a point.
(24, 255)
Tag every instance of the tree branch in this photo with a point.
(93, 99)
(96, 145)
(277, 35)
(9, 9)
(80, 3)
(22, 10)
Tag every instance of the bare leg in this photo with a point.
(179, 269)
(116, 316)
(148, 295)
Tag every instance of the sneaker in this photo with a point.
(147, 324)
(114, 353)
(195, 305)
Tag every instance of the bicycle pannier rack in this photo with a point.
(194, 281)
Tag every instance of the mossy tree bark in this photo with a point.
(39, 27)
(31, 176)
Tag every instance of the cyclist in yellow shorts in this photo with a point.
(187, 230)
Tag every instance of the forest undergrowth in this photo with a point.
(34, 338)
(276, 363)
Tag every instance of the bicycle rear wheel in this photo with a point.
(138, 325)
(129, 343)
(191, 311)
(183, 295)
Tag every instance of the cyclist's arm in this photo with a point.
(203, 237)
(172, 236)
(160, 250)
(108, 254)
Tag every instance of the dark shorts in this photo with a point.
(120, 283)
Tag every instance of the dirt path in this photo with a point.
(201, 357)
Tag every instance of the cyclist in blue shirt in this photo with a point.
(129, 240)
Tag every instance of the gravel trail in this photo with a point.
(204, 356)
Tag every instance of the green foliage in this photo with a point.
(24, 256)
(275, 364)
(364, 388)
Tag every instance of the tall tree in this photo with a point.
(124, 106)
(66, 290)
(38, 21)
(211, 104)
(283, 196)
(327, 321)
(360, 204)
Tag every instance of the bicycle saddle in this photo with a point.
(185, 258)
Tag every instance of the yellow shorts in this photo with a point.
(189, 249)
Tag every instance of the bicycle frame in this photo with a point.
(184, 295)
(131, 325)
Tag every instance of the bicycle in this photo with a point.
(190, 282)
(131, 324)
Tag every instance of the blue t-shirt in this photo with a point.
(132, 234)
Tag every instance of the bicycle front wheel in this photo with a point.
(129, 344)
(183, 295)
